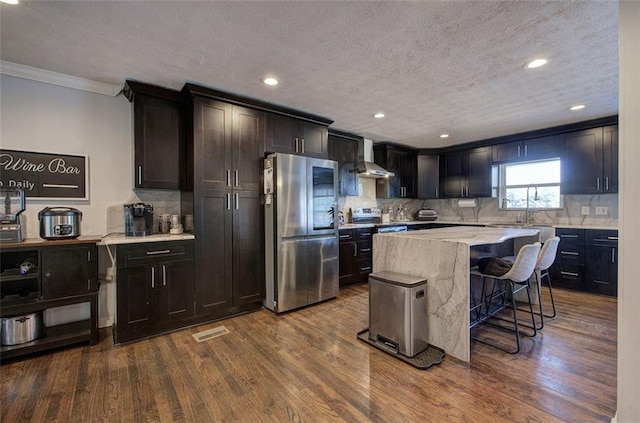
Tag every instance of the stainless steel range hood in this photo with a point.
(369, 169)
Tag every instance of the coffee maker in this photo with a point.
(138, 219)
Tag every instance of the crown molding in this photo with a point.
(54, 78)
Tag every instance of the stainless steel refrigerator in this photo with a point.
(301, 263)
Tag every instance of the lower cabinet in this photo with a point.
(587, 260)
(155, 288)
(355, 255)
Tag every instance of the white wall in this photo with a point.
(629, 270)
(40, 117)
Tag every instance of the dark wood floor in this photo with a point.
(308, 366)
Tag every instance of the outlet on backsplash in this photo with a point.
(585, 211)
(602, 211)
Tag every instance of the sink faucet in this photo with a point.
(528, 218)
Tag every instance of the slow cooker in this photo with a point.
(59, 222)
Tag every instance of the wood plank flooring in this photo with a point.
(308, 366)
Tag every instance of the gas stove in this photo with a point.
(374, 215)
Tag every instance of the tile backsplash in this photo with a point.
(486, 209)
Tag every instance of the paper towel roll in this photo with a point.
(467, 202)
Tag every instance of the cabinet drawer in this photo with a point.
(570, 253)
(568, 235)
(602, 237)
(364, 249)
(347, 235)
(364, 267)
(148, 252)
(364, 234)
(570, 276)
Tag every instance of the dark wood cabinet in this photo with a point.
(355, 255)
(155, 288)
(590, 161)
(159, 136)
(466, 173)
(587, 260)
(348, 151)
(531, 149)
(403, 163)
(62, 273)
(295, 136)
(428, 176)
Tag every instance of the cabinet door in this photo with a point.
(408, 172)
(248, 147)
(394, 162)
(610, 158)
(248, 248)
(176, 292)
(541, 148)
(451, 180)
(347, 252)
(282, 134)
(68, 271)
(159, 133)
(136, 302)
(213, 252)
(313, 138)
(428, 175)
(602, 269)
(345, 152)
(581, 162)
(212, 165)
(509, 151)
(479, 172)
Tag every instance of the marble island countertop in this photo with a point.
(467, 235)
(481, 224)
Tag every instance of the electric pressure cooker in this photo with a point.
(59, 222)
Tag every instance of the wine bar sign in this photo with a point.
(45, 175)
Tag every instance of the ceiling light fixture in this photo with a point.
(536, 63)
(444, 136)
(577, 107)
(270, 81)
(379, 115)
(9, 1)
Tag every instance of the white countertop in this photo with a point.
(122, 239)
(459, 222)
(467, 235)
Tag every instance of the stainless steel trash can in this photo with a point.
(398, 311)
(20, 329)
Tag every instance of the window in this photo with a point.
(540, 180)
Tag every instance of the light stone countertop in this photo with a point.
(467, 235)
(461, 223)
(120, 238)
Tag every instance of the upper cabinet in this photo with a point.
(403, 163)
(296, 136)
(159, 135)
(531, 149)
(590, 161)
(348, 151)
(466, 173)
(428, 176)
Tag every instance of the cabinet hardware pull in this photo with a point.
(296, 147)
(153, 277)
(569, 273)
(598, 184)
(355, 250)
(150, 253)
(612, 238)
(518, 151)
(365, 250)
(228, 177)
(526, 153)
(345, 236)
(164, 275)
(88, 284)
(139, 175)
(302, 143)
(228, 201)
(365, 234)
(366, 269)
(437, 193)
(89, 255)
(461, 191)
(613, 255)
(237, 200)
(235, 177)
(600, 282)
(606, 183)
(568, 236)
(569, 253)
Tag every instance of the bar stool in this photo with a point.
(509, 284)
(546, 257)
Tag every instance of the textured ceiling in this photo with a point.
(432, 67)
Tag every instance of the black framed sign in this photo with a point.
(45, 175)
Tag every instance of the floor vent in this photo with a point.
(210, 333)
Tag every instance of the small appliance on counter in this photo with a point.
(366, 215)
(59, 223)
(426, 214)
(11, 227)
(138, 219)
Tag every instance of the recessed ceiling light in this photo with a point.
(444, 136)
(536, 63)
(9, 1)
(270, 81)
(577, 107)
(379, 115)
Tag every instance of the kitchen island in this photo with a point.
(443, 257)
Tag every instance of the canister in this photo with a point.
(20, 329)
